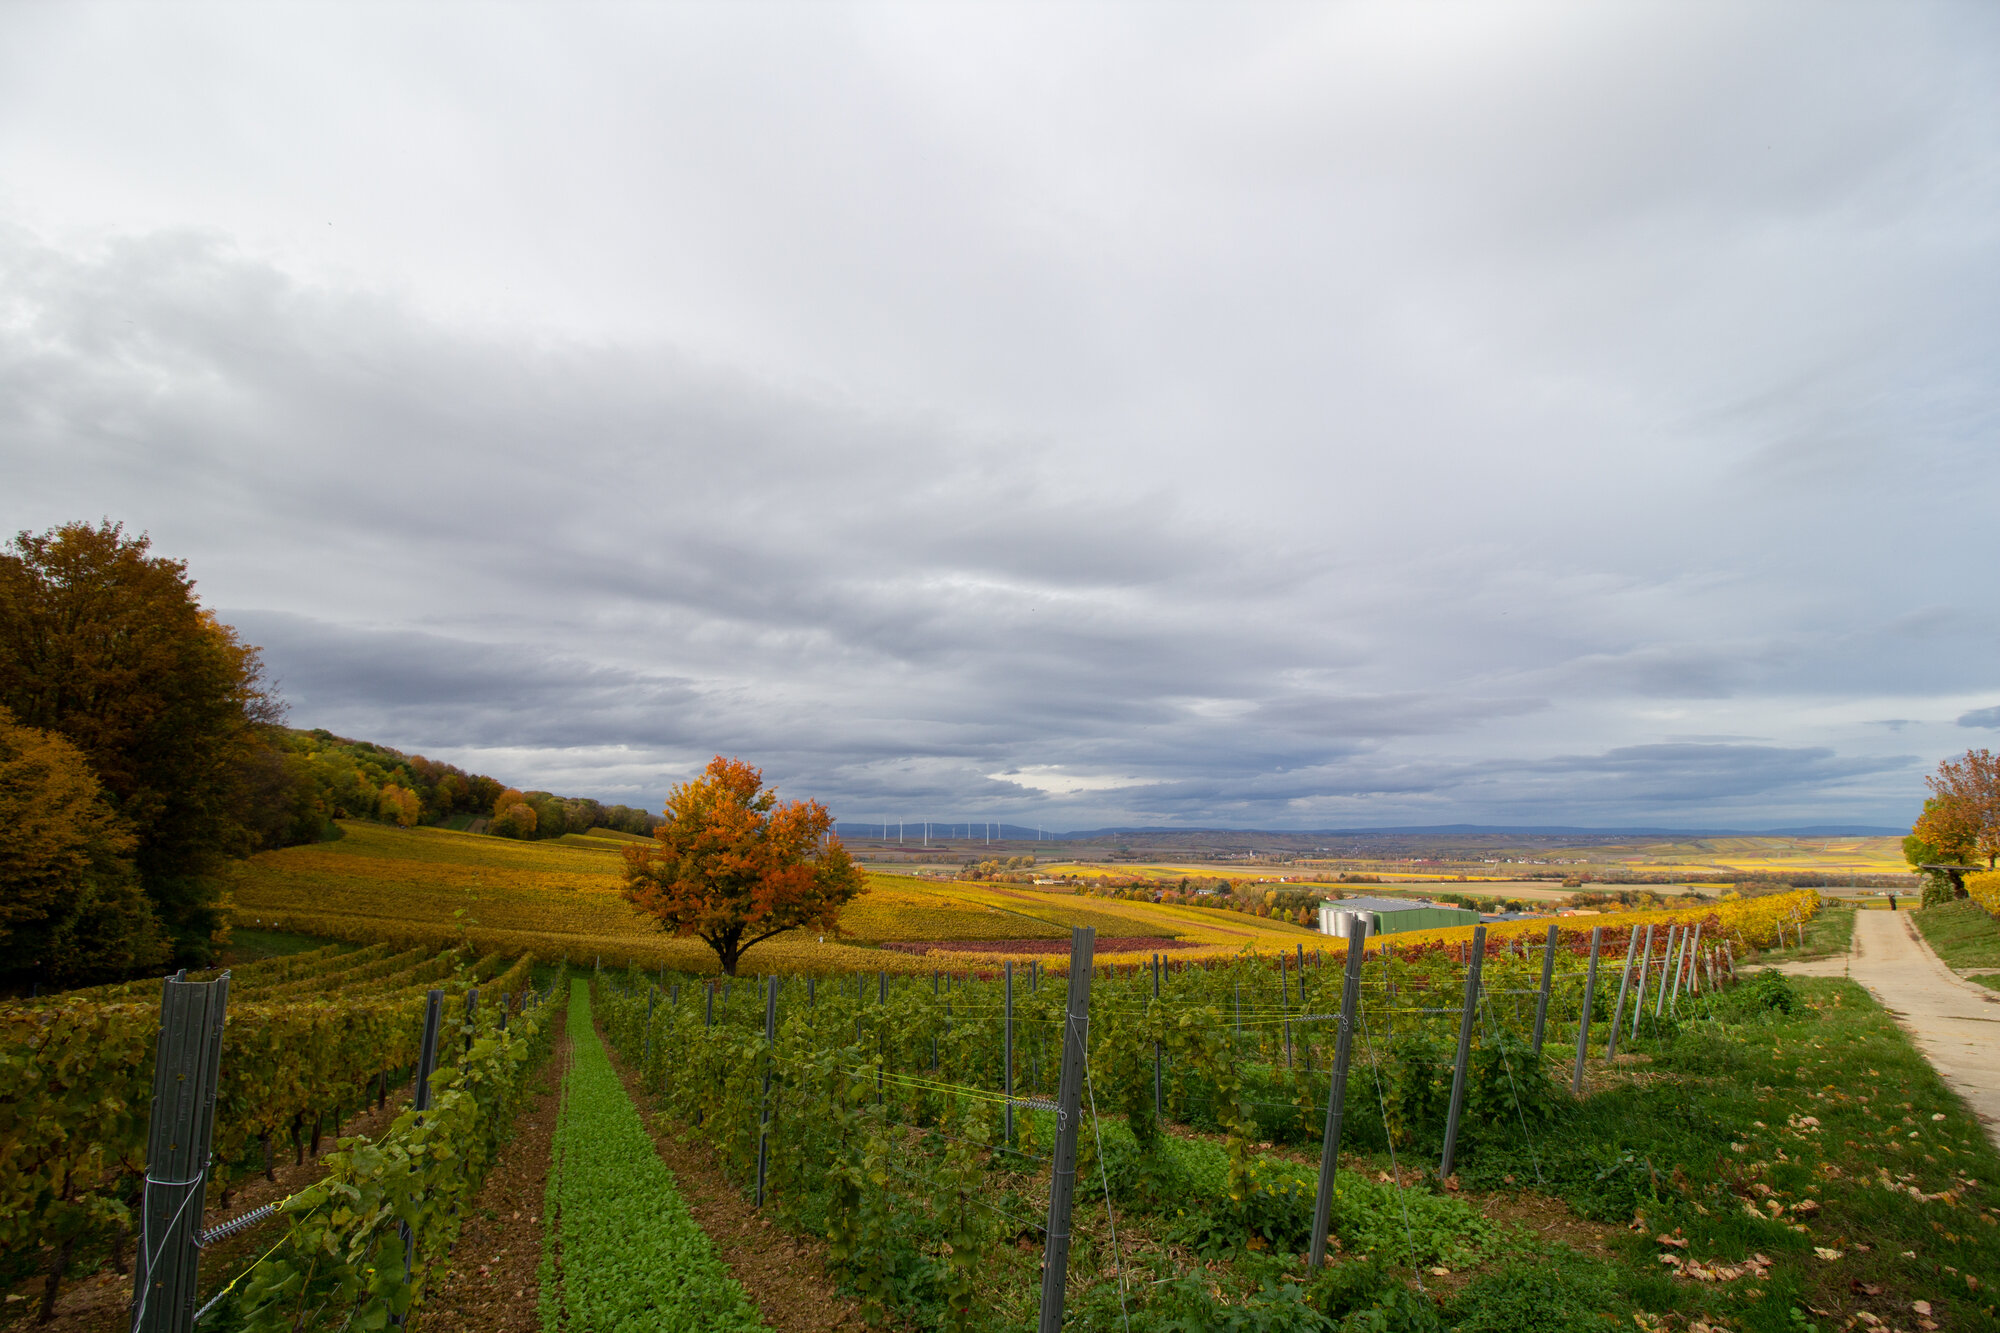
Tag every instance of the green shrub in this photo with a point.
(1419, 1092)
(1769, 991)
(1938, 889)
(1508, 1092)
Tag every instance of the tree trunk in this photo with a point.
(727, 951)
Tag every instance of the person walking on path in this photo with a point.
(1892, 902)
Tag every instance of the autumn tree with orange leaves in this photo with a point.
(1962, 817)
(733, 867)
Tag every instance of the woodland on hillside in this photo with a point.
(142, 751)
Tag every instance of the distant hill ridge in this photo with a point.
(960, 830)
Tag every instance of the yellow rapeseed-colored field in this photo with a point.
(1708, 856)
(1163, 870)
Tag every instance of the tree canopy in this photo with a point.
(106, 645)
(72, 912)
(1962, 817)
(731, 866)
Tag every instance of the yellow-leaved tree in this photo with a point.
(73, 911)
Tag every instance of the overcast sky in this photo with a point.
(1266, 416)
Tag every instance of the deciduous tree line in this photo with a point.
(141, 751)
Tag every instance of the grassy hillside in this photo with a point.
(561, 898)
(1964, 937)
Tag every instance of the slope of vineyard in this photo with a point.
(310, 1039)
(1752, 1131)
(433, 887)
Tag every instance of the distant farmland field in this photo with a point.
(1706, 858)
(561, 898)
(1862, 856)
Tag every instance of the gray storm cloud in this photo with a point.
(1292, 418)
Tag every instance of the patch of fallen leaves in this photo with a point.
(1686, 1266)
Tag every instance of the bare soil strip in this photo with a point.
(783, 1273)
(488, 1284)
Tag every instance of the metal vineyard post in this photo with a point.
(186, 1064)
(1660, 995)
(764, 1115)
(1285, 1004)
(1639, 1003)
(1548, 975)
(1477, 959)
(1589, 1001)
(426, 1066)
(1069, 1102)
(1336, 1097)
(1624, 980)
(1007, 1051)
(1680, 962)
(1159, 1107)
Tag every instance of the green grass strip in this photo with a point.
(622, 1253)
(1962, 934)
